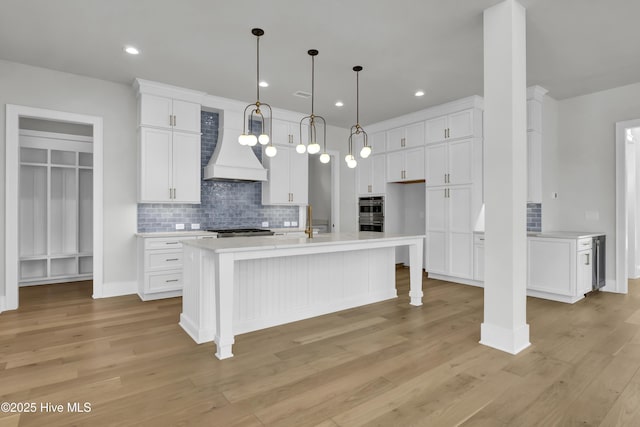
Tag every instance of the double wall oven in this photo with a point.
(371, 213)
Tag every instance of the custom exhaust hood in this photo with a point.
(230, 160)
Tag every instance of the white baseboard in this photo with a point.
(512, 341)
(117, 289)
(3, 306)
(611, 286)
(452, 279)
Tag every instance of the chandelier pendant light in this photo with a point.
(356, 130)
(256, 111)
(311, 120)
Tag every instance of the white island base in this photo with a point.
(238, 285)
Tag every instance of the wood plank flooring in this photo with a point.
(385, 364)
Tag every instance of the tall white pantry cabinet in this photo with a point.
(56, 208)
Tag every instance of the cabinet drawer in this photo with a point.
(163, 243)
(584, 244)
(163, 260)
(164, 282)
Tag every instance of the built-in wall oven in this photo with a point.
(371, 213)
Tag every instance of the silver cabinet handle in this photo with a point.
(172, 259)
(482, 238)
(172, 280)
(171, 243)
(588, 261)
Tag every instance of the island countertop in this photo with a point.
(240, 244)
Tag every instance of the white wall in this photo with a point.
(320, 189)
(549, 163)
(586, 162)
(116, 104)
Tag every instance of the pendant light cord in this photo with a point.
(313, 74)
(358, 98)
(258, 68)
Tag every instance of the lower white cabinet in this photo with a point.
(449, 231)
(559, 269)
(160, 266)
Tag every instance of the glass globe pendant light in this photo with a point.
(310, 120)
(356, 129)
(255, 111)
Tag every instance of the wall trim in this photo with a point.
(509, 340)
(620, 285)
(2, 304)
(12, 143)
(118, 289)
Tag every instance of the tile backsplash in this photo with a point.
(223, 204)
(534, 217)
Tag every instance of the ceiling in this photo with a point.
(574, 47)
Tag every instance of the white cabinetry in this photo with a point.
(450, 163)
(461, 124)
(559, 269)
(169, 150)
(377, 142)
(535, 97)
(371, 175)
(405, 137)
(160, 265)
(286, 133)
(478, 257)
(449, 231)
(288, 182)
(405, 165)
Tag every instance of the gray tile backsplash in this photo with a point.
(223, 204)
(534, 217)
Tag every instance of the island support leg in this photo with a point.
(415, 273)
(224, 306)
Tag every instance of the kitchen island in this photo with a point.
(237, 285)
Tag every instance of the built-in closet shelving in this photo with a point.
(56, 207)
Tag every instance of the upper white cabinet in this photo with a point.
(461, 124)
(286, 133)
(406, 137)
(450, 163)
(377, 142)
(535, 97)
(288, 182)
(405, 165)
(159, 111)
(371, 175)
(169, 144)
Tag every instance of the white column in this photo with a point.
(505, 178)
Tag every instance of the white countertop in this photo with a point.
(239, 244)
(187, 233)
(559, 234)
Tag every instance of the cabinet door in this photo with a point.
(414, 164)
(395, 138)
(584, 273)
(156, 111)
(186, 167)
(155, 165)
(280, 132)
(363, 170)
(299, 178)
(436, 129)
(414, 135)
(461, 124)
(460, 163)
(460, 236)
(376, 142)
(551, 265)
(378, 173)
(436, 164)
(276, 189)
(436, 230)
(534, 167)
(395, 166)
(187, 116)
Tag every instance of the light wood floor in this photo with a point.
(386, 364)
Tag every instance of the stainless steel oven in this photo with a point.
(371, 213)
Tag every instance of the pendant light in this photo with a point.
(313, 146)
(357, 129)
(255, 112)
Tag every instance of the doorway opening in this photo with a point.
(53, 227)
(324, 193)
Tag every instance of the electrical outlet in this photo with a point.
(195, 226)
(287, 224)
(265, 223)
(294, 223)
(179, 226)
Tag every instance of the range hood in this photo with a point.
(231, 161)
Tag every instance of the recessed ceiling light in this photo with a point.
(131, 50)
(339, 104)
(419, 93)
(263, 84)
